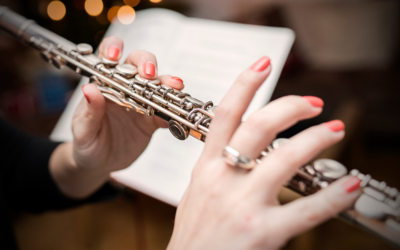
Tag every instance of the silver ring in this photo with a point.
(233, 158)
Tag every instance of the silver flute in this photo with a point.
(377, 210)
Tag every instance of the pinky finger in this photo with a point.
(308, 212)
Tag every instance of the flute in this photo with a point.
(377, 210)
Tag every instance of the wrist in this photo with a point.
(74, 180)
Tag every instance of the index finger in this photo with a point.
(229, 113)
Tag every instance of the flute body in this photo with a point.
(377, 210)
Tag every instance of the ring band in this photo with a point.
(233, 158)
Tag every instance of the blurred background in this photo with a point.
(346, 52)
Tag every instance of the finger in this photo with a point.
(229, 113)
(305, 213)
(88, 119)
(111, 48)
(255, 134)
(281, 165)
(172, 81)
(145, 62)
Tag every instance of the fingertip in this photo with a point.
(172, 81)
(351, 185)
(146, 63)
(85, 94)
(149, 69)
(314, 101)
(335, 125)
(111, 48)
(93, 95)
(113, 53)
(176, 83)
(345, 191)
(262, 64)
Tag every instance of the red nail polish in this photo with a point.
(86, 96)
(176, 78)
(315, 101)
(352, 185)
(113, 53)
(261, 64)
(335, 125)
(149, 69)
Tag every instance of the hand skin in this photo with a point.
(106, 137)
(224, 207)
(230, 208)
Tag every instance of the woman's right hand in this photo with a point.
(230, 208)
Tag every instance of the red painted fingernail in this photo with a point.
(149, 69)
(352, 184)
(113, 53)
(86, 96)
(261, 64)
(315, 101)
(176, 78)
(335, 125)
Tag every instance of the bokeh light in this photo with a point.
(155, 1)
(94, 7)
(112, 13)
(126, 14)
(131, 3)
(56, 10)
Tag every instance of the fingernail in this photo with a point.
(149, 69)
(352, 184)
(261, 64)
(176, 78)
(335, 125)
(113, 53)
(87, 97)
(315, 101)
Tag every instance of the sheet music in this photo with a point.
(208, 56)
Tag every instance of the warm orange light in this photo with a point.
(155, 1)
(126, 14)
(56, 10)
(94, 7)
(132, 3)
(112, 13)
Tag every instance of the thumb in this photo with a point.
(89, 115)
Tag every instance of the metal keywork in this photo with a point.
(377, 210)
(378, 201)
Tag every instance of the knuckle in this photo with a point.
(312, 215)
(134, 53)
(78, 134)
(245, 79)
(332, 206)
(259, 124)
(292, 103)
(242, 219)
(317, 212)
(145, 53)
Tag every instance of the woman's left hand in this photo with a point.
(106, 137)
(227, 207)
